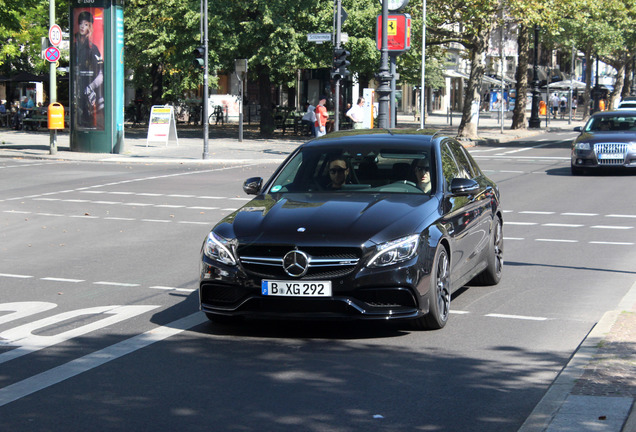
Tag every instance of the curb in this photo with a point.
(545, 416)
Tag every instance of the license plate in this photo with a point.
(296, 289)
(610, 156)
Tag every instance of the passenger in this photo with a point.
(422, 170)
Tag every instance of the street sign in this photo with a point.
(55, 35)
(319, 37)
(52, 54)
(398, 33)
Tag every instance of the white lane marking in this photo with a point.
(25, 342)
(612, 243)
(520, 317)
(50, 214)
(511, 172)
(536, 212)
(620, 216)
(615, 227)
(76, 200)
(121, 284)
(169, 206)
(84, 216)
(47, 199)
(459, 312)
(165, 288)
(156, 220)
(106, 202)
(514, 238)
(557, 240)
(521, 223)
(560, 225)
(23, 309)
(579, 214)
(486, 150)
(54, 279)
(75, 367)
(194, 223)
(17, 211)
(180, 196)
(203, 208)
(17, 276)
(119, 218)
(138, 204)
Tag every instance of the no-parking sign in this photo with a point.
(52, 54)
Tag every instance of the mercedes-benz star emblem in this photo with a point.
(296, 263)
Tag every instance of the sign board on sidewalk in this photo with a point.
(162, 126)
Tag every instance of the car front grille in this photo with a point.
(610, 153)
(324, 262)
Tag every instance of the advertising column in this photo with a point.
(97, 88)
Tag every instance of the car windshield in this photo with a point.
(611, 123)
(365, 170)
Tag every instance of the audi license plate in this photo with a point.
(296, 289)
(606, 156)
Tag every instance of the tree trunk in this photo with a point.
(521, 76)
(588, 81)
(614, 98)
(627, 87)
(472, 98)
(156, 73)
(265, 100)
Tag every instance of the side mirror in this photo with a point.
(462, 186)
(578, 129)
(252, 185)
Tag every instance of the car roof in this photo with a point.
(621, 113)
(388, 137)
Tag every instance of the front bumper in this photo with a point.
(365, 294)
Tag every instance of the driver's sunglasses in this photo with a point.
(336, 170)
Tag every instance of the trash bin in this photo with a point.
(56, 116)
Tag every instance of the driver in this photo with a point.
(338, 173)
(422, 170)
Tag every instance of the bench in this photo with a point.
(34, 122)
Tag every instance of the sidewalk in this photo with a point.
(224, 146)
(594, 392)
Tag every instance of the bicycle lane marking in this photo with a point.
(83, 364)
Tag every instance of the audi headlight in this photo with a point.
(218, 249)
(582, 146)
(395, 251)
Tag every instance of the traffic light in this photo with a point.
(199, 54)
(340, 63)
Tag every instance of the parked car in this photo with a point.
(362, 224)
(627, 105)
(608, 140)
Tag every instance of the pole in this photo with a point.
(206, 154)
(535, 121)
(336, 124)
(52, 84)
(571, 86)
(240, 109)
(503, 70)
(393, 113)
(384, 89)
(423, 89)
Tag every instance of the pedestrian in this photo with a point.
(574, 104)
(563, 103)
(356, 114)
(309, 118)
(321, 117)
(89, 94)
(554, 105)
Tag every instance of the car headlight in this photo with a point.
(631, 147)
(582, 146)
(218, 249)
(395, 251)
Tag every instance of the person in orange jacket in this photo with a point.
(321, 117)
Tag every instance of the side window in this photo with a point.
(465, 168)
(449, 167)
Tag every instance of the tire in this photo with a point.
(439, 294)
(492, 273)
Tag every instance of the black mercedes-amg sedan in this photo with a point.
(367, 224)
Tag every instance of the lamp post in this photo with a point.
(596, 92)
(240, 68)
(535, 121)
(384, 89)
(206, 86)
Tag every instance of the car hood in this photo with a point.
(605, 137)
(328, 218)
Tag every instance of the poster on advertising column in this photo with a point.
(88, 68)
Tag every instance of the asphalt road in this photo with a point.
(99, 326)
